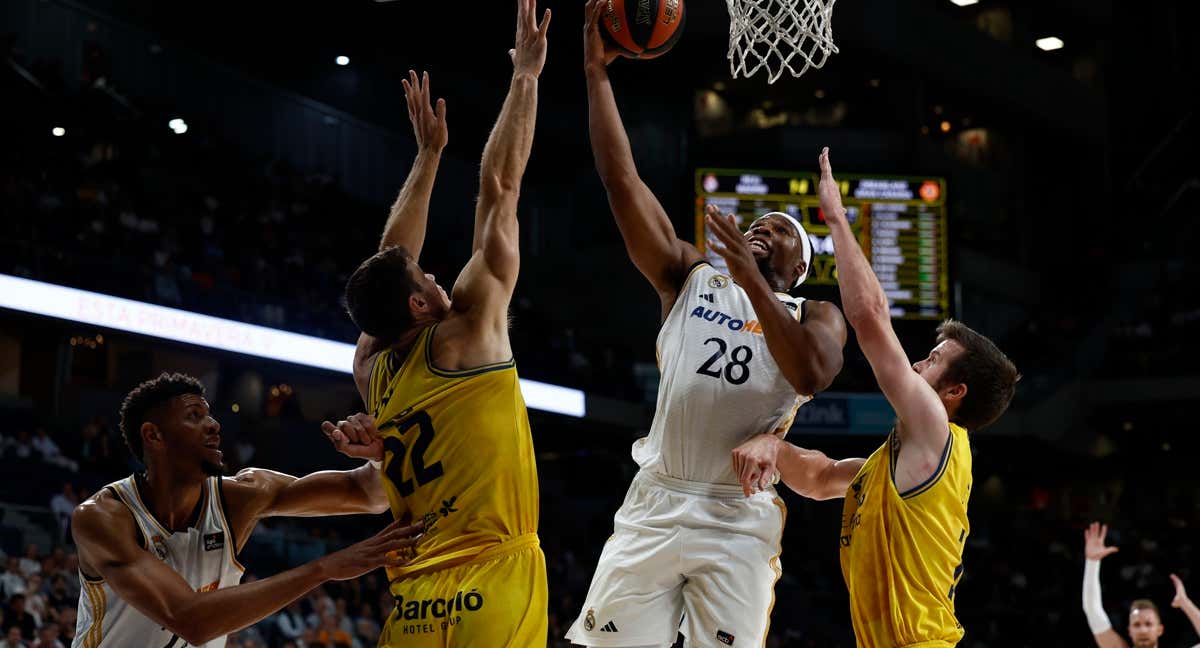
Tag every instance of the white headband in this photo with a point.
(805, 243)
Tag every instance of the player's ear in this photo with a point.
(957, 391)
(152, 435)
(417, 303)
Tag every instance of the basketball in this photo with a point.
(643, 28)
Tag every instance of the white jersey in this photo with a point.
(203, 556)
(719, 386)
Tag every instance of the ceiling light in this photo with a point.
(964, 3)
(1050, 43)
(343, 60)
(58, 131)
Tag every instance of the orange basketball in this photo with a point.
(642, 28)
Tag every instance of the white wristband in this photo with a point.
(375, 463)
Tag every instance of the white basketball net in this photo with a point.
(778, 35)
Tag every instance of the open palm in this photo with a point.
(1093, 538)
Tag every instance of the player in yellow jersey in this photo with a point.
(904, 521)
(437, 373)
(1145, 623)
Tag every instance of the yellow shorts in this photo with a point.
(497, 600)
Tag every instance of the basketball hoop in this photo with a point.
(778, 35)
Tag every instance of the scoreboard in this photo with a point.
(900, 223)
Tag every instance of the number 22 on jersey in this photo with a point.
(402, 454)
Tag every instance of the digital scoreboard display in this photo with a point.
(900, 223)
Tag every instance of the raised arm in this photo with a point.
(807, 472)
(407, 220)
(409, 214)
(104, 534)
(491, 274)
(1183, 603)
(649, 236)
(1093, 607)
(924, 418)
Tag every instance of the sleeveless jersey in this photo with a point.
(458, 454)
(902, 552)
(719, 386)
(203, 556)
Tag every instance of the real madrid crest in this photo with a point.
(589, 621)
(718, 281)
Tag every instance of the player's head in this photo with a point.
(166, 421)
(782, 249)
(975, 380)
(1145, 625)
(389, 292)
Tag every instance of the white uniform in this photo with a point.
(687, 543)
(203, 556)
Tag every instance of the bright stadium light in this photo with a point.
(58, 131)
(965, 3)
(106, 311)
(1050, 43)
(178, 126)
(343, 60)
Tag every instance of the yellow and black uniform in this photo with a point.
(902, 552)
(459, 455)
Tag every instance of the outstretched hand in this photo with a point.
(729, 242)
(429, 125)
(596, 51)
(356, 437)
(529, 52)
(1093, 542)
(380, 550)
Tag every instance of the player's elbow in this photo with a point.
(863, 316)
(191, 628)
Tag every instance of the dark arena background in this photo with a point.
(237, 161)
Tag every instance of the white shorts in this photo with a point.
(701, 554)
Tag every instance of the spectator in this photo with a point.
(48, 637)
(62, 505)
(12, 581)
(331, 635)
(22, 448)
(50, 451)
(290, 622)
(31, 564)
(22, 619)
(35, 601)
(12, 639)
(367, 625)
(67, 620)
(59, 598)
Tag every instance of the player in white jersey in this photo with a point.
(158, 550)
(692, 550)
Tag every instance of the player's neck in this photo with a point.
(171, 497)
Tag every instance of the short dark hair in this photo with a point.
(148, 396)
(991, 378)
(1144, 604)
(377, 294)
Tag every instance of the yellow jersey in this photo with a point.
(458, 454)
(901, 553)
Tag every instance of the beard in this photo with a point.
(212, 469)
